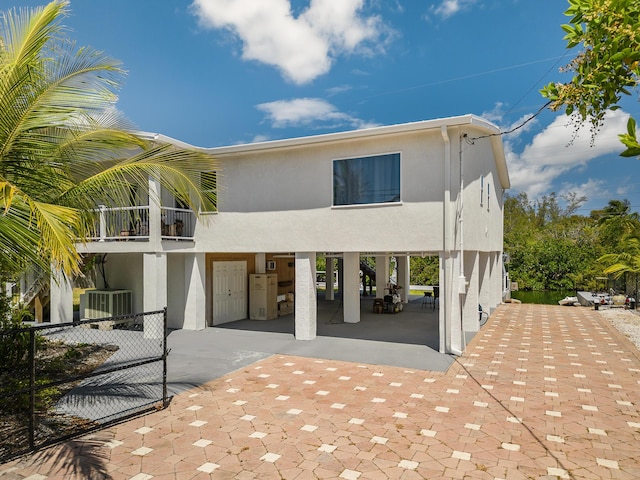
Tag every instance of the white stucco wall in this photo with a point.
(175, 290)
(124, 272)
(281, 200)
(277, 197)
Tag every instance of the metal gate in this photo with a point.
(59, 381)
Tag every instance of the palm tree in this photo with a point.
(63, 144)
(628, 261)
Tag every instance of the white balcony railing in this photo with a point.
(132, 224)
(177, 223)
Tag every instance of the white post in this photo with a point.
(450, 304)
(329, 273)
(306, 308)
(195, 289)
(471, 300)
(351, 290)
(61, 298)
(404, 277)
(103, 222)
(154, 266)
(155, 211)
(382, 275)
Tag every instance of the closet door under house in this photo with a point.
(229, 291)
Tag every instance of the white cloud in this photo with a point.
(551, 154)
(585, 189)
(302, 47)
(260, 138)
(338, 90)
(448, 8)
(308, 111)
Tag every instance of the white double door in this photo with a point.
(229, 291)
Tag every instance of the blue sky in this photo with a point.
(220, 72)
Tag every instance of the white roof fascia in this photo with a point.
(486, 127)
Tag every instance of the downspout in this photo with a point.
(447, 239)
(461, 220)
(462, 287)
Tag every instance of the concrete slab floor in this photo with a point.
(540, 392)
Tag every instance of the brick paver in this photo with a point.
(541, 392)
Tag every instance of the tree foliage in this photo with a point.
(63, 144)
(606, 67)
(627, 256)
(553, 248)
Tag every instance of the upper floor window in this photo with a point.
(208, 187)
(367, 180)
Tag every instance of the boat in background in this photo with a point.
(570, 301)
(589, 299)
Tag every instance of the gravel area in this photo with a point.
(626, 321)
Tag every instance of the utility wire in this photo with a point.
(517, 127)
(464, 77)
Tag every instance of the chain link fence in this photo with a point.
(59, 381)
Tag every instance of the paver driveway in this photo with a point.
(541, 392)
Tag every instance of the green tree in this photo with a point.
(627, 260)
(425, 270)
(607, 66)
(615, 221)
(63, 144)
(550, 246)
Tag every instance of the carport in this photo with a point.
(416, 324)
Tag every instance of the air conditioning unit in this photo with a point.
(108, 303)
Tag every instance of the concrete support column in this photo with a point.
(351, 287)
(329, 273)
(261, 263)
(382, 275)
(471, 300)
(484, 282)
(496, 280)
(195, 291)
(60, 298)
(404, 277)
(450, 305)
(306, 304)
(154, 274)
(155, 212)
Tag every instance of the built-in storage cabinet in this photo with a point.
(263, 296)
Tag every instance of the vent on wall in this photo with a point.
(271, 265)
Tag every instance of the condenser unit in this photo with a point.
(108, 303)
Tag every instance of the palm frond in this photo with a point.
(177, 170)
(64, 146)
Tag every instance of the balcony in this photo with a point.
(133, 224)
(177, 223)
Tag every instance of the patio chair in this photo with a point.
(436, 297)
(427, 299)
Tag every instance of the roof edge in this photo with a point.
(461, 120)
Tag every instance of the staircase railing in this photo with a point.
(39, 285)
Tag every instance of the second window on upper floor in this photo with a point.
(366, 180)
(209, 188)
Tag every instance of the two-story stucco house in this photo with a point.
(426, 188)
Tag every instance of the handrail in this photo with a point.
(132, 223)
